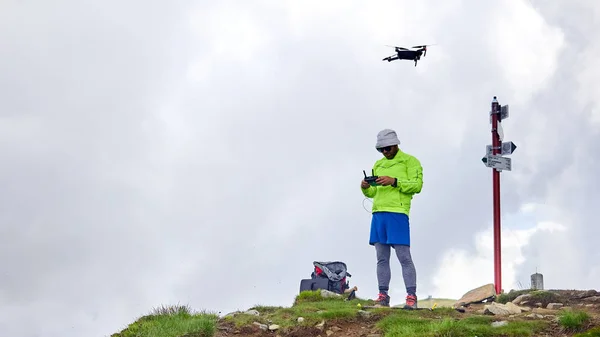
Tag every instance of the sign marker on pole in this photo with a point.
(507, 148)
(497, 162)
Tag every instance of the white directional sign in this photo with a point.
(497, 162)
(507, 148)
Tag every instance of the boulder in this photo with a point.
(263, 327)
(552, 306)
(595, 299)
(499, 309)
(581, 294)
(477, 295)
(521, 299)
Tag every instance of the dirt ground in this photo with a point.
(357, 327)
(365, 327)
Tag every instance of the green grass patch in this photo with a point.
(172, 321)
(593, 332)
(574, 320)
(442, 321)
(309, 305)
(407, 324)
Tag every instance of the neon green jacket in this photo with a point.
(409, 172)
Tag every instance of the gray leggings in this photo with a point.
(384, 273)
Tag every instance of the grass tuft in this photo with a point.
(574, 321)
(170, 310)
(172, 321)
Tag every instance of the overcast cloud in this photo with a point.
(207, 153)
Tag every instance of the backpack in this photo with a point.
(330, 275)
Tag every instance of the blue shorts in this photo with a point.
(390, 228)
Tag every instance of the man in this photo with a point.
(400, 177)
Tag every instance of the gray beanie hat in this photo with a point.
(387, 137)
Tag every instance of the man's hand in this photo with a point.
(364, 184)
(385, 180)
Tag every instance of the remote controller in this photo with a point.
(371, 179)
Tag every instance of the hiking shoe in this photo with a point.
(411, 302)
(383, 300)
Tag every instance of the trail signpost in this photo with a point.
(495, 160)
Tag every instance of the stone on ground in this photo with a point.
(499, 309)
(477, 295)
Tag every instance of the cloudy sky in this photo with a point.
(206, 153)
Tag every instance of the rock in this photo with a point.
(515, 308)
(521, 298)
(327, 293)
(553, 306)
(477, 295)
(300, 319)
(499, 324)
(329, 332)
(582, 294)
(543, 311)
(263, 327)
(273, 327)
(336, 328)
(499, 309)
(538, 316)
(496, 309)
(592, 299)
(364, 313)
(252, 312)
(539, 304)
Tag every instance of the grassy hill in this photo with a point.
(311, 314)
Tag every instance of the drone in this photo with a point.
(407, 54)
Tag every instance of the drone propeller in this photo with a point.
(396, 47)
(424, 47)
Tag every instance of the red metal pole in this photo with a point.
(496, 198)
